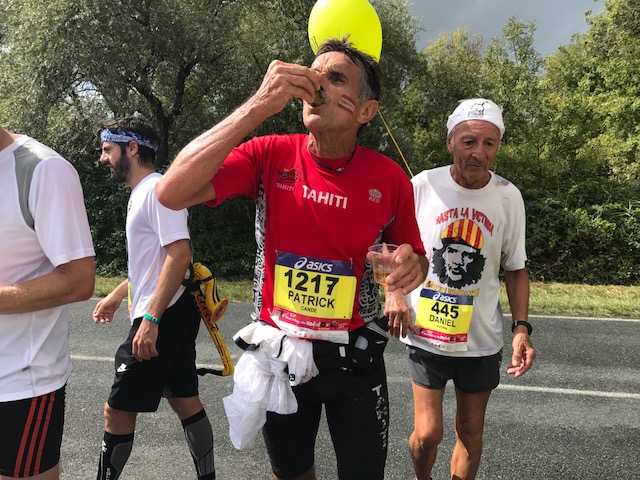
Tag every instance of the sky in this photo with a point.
(555, 20)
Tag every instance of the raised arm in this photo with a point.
(188, 180)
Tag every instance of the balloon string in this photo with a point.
(395, 143)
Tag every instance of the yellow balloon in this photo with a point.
(337, 18)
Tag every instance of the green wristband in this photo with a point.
(152, 319)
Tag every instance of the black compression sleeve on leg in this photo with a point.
(114, 455)
(199, 435)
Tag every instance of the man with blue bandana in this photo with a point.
(158, 358)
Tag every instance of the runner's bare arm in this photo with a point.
(106, 308)
(517, 285)
(171, 276)
(188, 179)
(70, 282)
(396, 310)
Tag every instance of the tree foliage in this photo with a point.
(590, 163)
(183, 65)
(571, 145)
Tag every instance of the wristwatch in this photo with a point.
(517, 323)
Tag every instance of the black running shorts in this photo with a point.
(356, 405)
(139, 386)
(31, 434)
(469, 374)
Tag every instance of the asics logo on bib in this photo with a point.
(445, 298)
(305, 264)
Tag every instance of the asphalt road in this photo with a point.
(575, 415)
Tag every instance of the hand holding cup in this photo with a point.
(382, 257)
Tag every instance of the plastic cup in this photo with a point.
(382, 257)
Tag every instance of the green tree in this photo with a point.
(448, 70)
(512, 70)
(589, 166)
(184, 65)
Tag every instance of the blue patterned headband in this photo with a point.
(108, 136)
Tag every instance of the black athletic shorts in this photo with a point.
(139, 386)
(469, 374)
(356, 405)
(31, 434)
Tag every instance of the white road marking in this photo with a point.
(569, 391)
(589, 319)
(88, 358)
(401, 379)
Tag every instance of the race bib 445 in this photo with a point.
(443, 319)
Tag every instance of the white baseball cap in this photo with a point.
(476, 109)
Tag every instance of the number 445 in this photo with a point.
(445, 310)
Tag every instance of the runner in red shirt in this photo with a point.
(321, 201)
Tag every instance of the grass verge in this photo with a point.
(546, 298)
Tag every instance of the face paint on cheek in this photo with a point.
(347, 104)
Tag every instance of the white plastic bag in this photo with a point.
(260, 384)
(246, 407)
(263, 378)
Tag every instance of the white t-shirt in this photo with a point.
(34, 347)
(150, 227)
(468, 234)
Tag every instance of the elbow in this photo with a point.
(184, 260)
(86, 291)
(165, 196)
(86, 282)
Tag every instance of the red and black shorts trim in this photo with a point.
(31, 434)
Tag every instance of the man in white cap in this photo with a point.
(472, 223)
